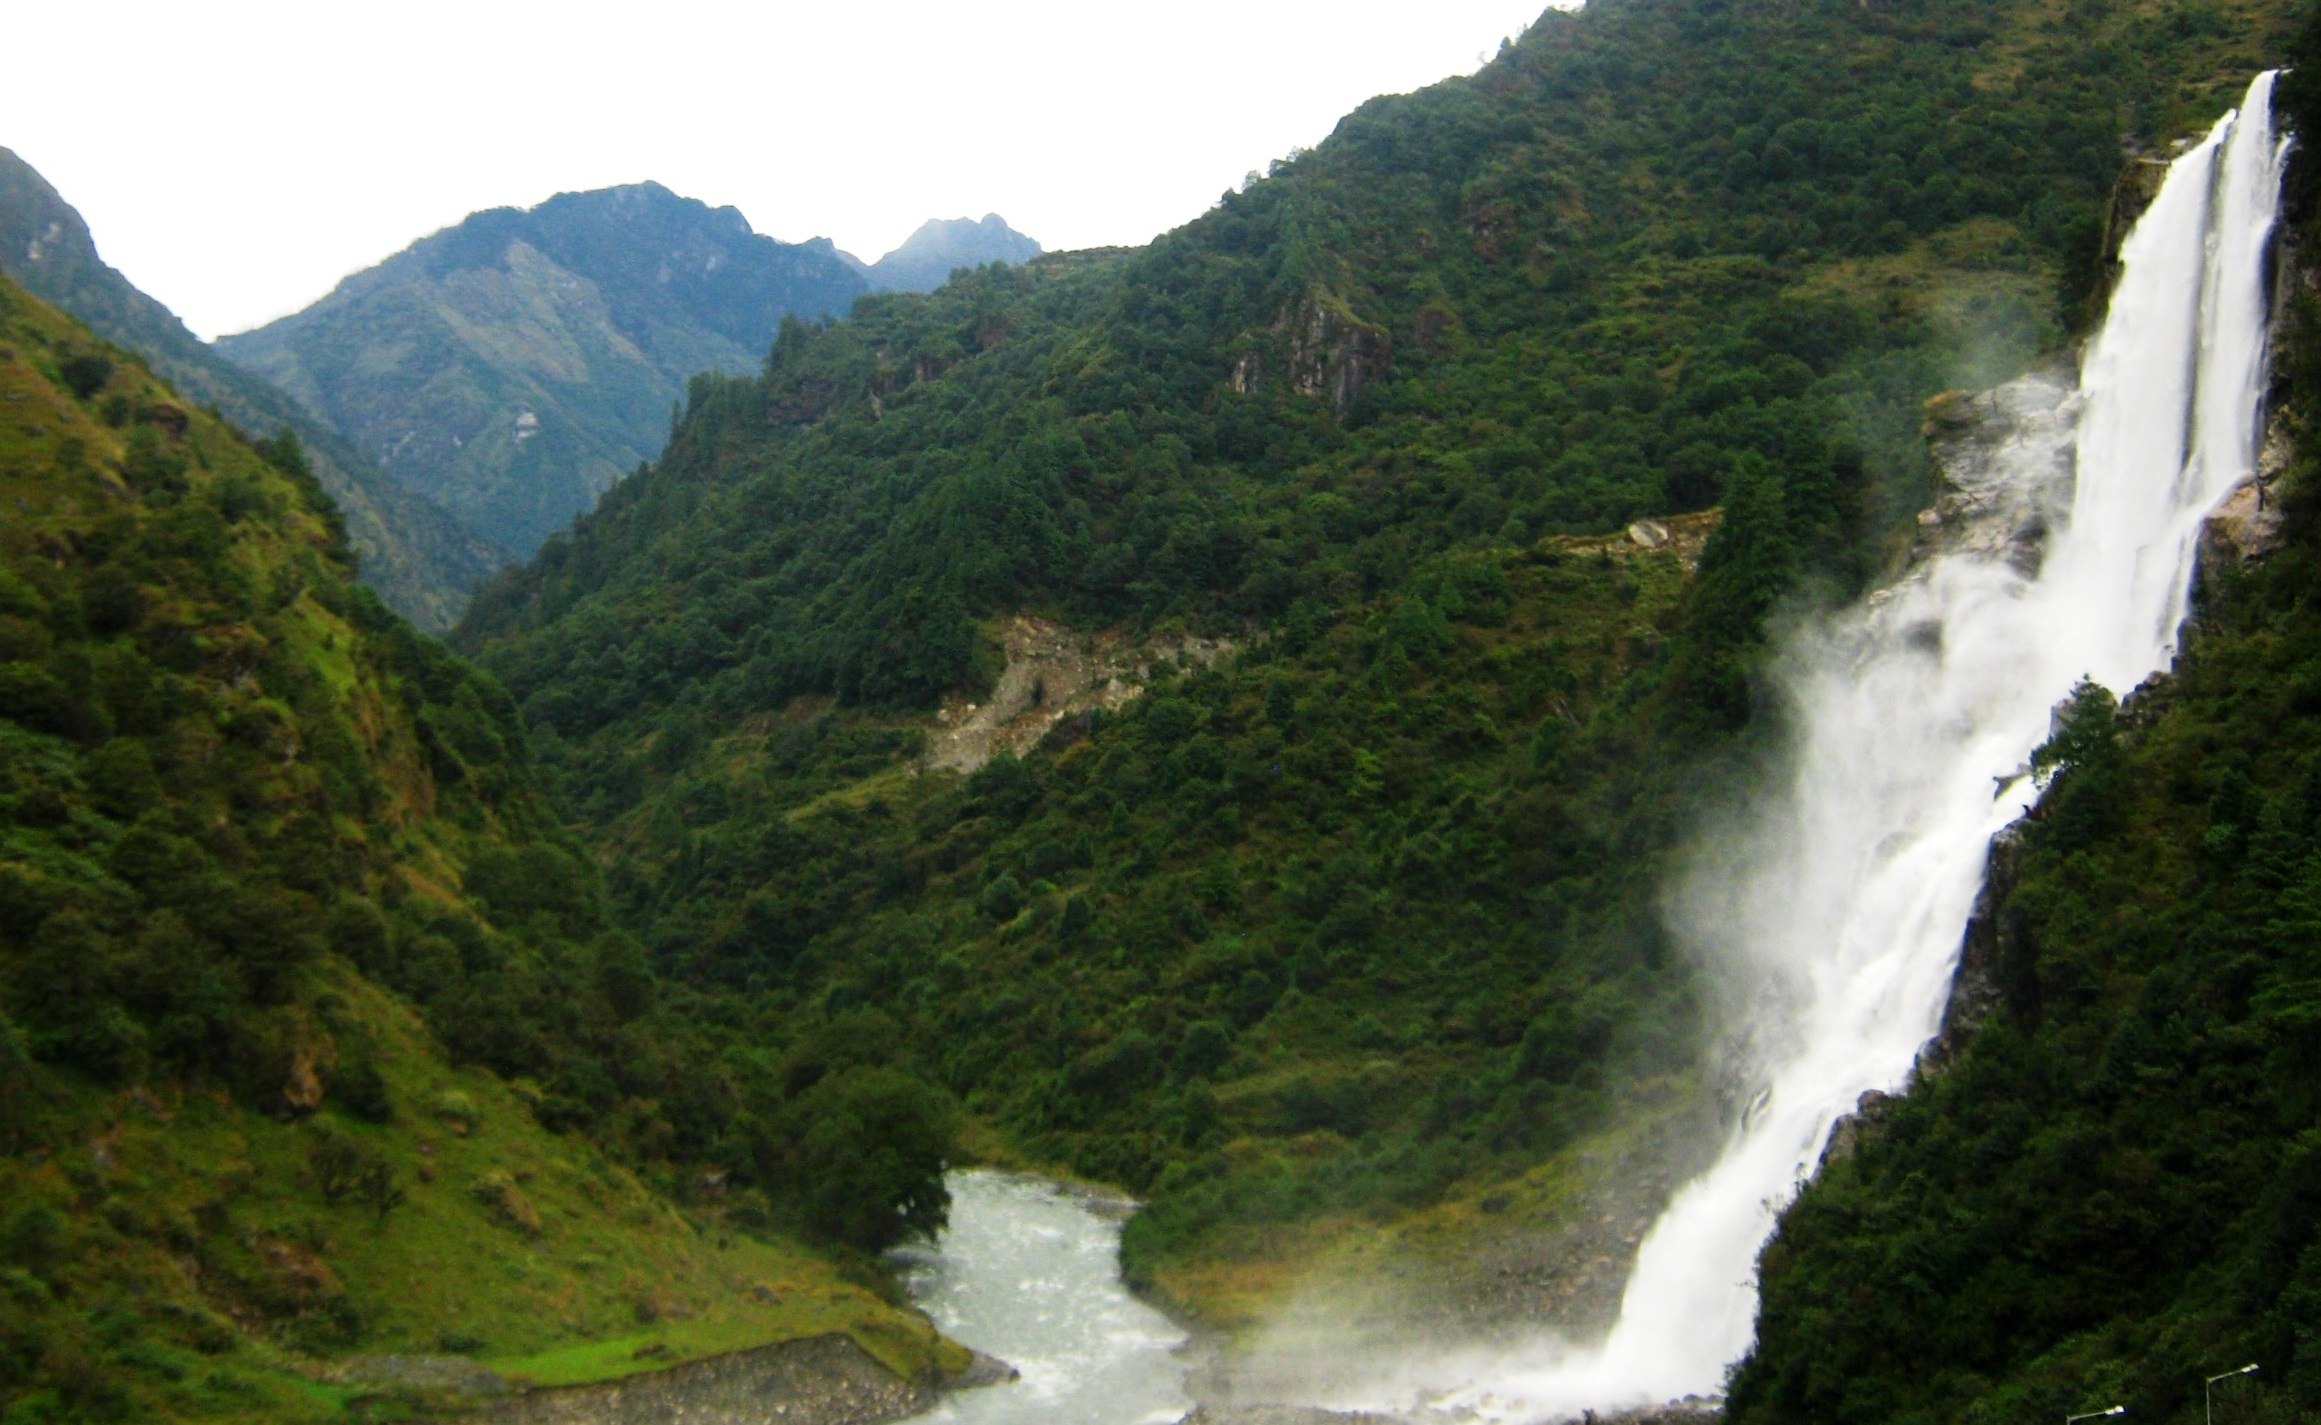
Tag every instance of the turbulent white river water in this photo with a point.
(1832, 915)
(1030, 1273)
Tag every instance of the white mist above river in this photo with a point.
(1030, 1273)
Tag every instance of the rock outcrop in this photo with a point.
(2248, 525)
(1975, 990)
(1332, 352)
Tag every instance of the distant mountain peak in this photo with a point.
(927, 257)
(517, 363)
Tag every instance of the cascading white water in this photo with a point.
(1843, 901)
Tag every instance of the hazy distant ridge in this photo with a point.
(928, 257)
(516, 364)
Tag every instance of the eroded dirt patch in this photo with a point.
(1053, 672)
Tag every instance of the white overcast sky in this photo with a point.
(235, 158)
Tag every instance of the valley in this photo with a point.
(1593, 740)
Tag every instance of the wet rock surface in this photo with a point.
(983, 1370)
(1981, 442)
(2248, 525)
(822, 1380)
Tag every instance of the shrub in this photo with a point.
(86, 374)
(1003, 899)
(497, 1191)
(336, 1163)
(456, 1109)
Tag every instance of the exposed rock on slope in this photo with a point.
(1977, 440)
(1053, 675)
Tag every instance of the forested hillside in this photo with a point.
(1362, 923)
(417, 558)
(2114, 1192)
(514, 365)
(314, 1036)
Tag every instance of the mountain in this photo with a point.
(317, 1053)
(928, 257)
(514, 366)
(1231, 710)
(421, 562)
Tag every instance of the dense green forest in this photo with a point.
(2115, 1191)
(250, 821)
(1361, 921)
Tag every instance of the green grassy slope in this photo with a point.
(1359, 927)
(2116, 1190)
(237, 795)
(516, 364)
(421, 562)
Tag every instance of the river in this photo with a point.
(1030, 1272)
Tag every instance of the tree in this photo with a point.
(866, 1157)
(377, 1189)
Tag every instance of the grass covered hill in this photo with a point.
(1358, 925)
(315, 1042)
(418, 559)
(2115, 1190)
(514, 365)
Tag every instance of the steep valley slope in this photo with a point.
(289, 943)
(417, 558)
(375, 1026)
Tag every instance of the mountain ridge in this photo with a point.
(940, 246)
(421, 562)
(517, 363)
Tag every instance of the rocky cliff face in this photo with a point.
(1980, 441)
(1333, 353)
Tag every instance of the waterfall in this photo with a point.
(1839, 905)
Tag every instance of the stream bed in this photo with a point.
(1030, 1272)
